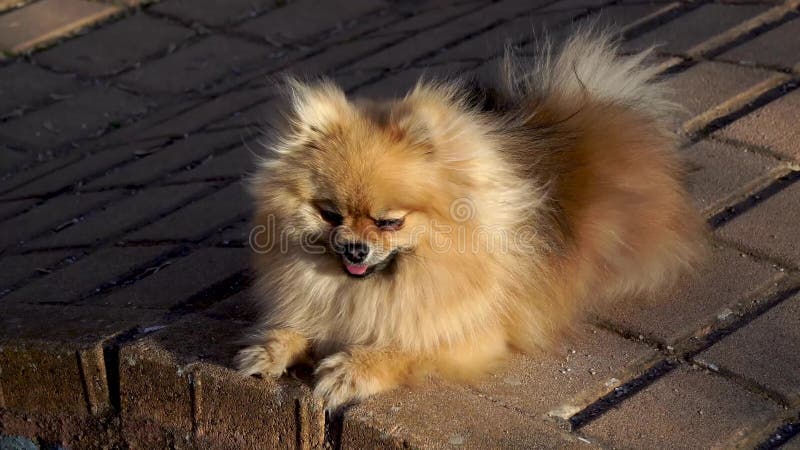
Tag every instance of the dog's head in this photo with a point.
(368, 182)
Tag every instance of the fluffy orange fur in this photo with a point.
(511, 215)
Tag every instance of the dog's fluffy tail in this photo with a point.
(587, 67)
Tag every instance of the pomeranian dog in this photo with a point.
(435, 234)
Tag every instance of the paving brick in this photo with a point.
(51, 214)
(235, 163)
(161, 373)
(684, 409)
(690, 88)
(792, 444)
(14, 207)
(770, 227)
(422, 20)
(25, 85)
(199, 218)
(35, 171)
(565, 381)
(694, 27)
(13, 158)
(445, 416)
(208, 111)
(19, 267)
(779, 47)
(46, 20)
(114, 47)
(718, 289)
(145, 206)
(773, 126)
(74, 175)
(579, 5)
(82, 116)
(84, 276)
(400, 83)
(764, 351)
(194, 67)
(237, 233)
(433, 40)
(212, 12)
(179, 280)
(167, 159)
(494, 41)
(238, 308)
(720, 174)
(312, 16)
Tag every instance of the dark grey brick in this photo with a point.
(163, 160)
(84, 276)
(18, 267)
(305, 18)
(51, 214)
(25, 84)
(79, 117)
(115, 47)
(213, 12)
(144, 206)
(199, 218)
(235, 163)
(193, 67)
(179, 279)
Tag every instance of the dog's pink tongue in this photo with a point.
(356, 269)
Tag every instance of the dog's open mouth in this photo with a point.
(357, 270)
(365, 270)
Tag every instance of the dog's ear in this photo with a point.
(316, 107)
(434, 113)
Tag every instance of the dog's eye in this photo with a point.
(389, 224)
(332, 217)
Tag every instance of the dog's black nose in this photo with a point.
(356, 252)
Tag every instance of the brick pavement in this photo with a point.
(123, 227)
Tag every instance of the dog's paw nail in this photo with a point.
(259, 360)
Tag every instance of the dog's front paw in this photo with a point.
(341, 380)
(268, 359)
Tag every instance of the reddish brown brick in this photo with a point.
(44, 21)
(160, 161)
(54, 364)
(54, 213)
(773, 126)
(161, 373)
(80, 117)
(179, 279)
(114, 47)
(26, 85)
(84, 276)
(199, 218)
(445, 416)
(779, 47)
(694, 27)
(128, 213)
(725, 282)
(313, 17)
(764, 351)
(565, 381)
(684, 409)
(770, 227)
(721, 174)
(195, 66)
(690, 88)
(212, 12)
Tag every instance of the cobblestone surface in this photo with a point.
(124, 227)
